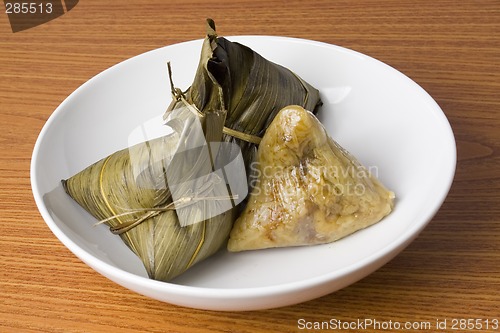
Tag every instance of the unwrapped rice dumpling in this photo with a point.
(308, 190)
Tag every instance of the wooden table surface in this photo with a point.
(450, 272)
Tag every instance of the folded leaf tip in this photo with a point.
(211, 31)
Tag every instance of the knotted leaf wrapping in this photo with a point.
(235, 92)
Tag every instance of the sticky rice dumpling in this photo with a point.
(235, 95)
(308, 190)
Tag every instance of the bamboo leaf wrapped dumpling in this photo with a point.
(235, 95)
(251, 89)
(309, 190)
(129, 190)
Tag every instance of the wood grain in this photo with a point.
(451, 48)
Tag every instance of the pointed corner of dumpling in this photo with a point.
(308, 189)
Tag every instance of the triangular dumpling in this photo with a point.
(308, 189)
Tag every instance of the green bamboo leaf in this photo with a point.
(235, 95)
(252, 88)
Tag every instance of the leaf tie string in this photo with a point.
(180, 96)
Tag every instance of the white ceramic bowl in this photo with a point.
(381, 116)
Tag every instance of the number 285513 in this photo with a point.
(28, 8)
